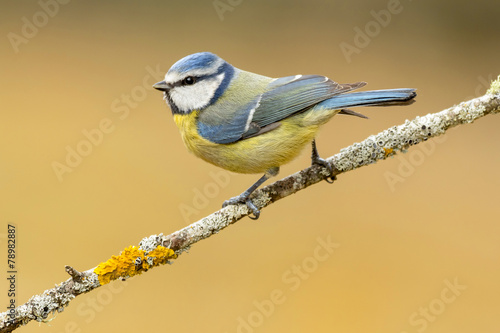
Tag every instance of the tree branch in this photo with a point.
(159, 249)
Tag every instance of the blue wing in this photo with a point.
(282, 98)
(289, 95)
(229, 126)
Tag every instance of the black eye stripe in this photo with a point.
(187, 81)
(190, 80)
(182, 82)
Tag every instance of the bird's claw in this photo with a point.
(316, 160)
(322, 162)
(253, 208)
(242, 199)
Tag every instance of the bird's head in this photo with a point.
(195, 82)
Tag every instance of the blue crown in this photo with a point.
(194, 61)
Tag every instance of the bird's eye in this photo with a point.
(189, 81)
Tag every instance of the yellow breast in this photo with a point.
(256, 154)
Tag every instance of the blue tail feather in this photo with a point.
(403, 96)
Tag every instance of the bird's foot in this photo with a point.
(242, 198)
(245, 196)
(316, 160)
(322, 162)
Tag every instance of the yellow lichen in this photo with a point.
(132, 261)
(161, 255)
(388, 151)
(495, 87)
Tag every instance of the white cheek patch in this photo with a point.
(196, 96)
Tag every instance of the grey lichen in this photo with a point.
(262, 200)
(150, 243)
(297, 182)
(494, 87)
(42, 306)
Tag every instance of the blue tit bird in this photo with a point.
(249, 123)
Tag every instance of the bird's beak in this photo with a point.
(162, 85)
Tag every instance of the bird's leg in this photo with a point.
(244, 197)
(315, 159)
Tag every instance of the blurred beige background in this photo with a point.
(420, 254)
